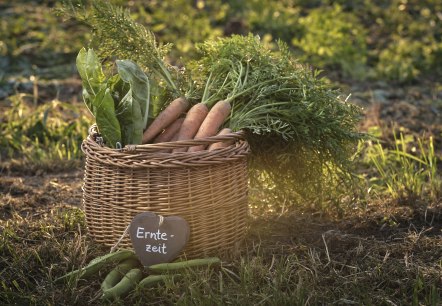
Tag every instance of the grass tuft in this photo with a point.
(407, 171)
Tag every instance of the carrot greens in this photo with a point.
(296, 124)
(272, 94)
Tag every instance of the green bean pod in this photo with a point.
(127, 283)
(96, 264)
(152, 280)
(118, 273)
(167, 267)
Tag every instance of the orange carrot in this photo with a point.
(194, 118)
(174, 138)
(169, 132)
(165, 118)
(210, 126)
(221, 144)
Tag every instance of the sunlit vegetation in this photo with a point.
(368, 236)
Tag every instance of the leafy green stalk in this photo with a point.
(133, 109)
(89, 68)
(107, 122)
(97, 96)
(119, 103)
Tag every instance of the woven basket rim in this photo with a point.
(154, 155)
(155, 147)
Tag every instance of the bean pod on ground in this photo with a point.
(129, 281)
(96, 264)
(118, 273)
(167, 267)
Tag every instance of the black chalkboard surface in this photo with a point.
(158, 239)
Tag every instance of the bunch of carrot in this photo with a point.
(288, 113)
(199, 122)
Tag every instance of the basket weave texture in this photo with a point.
(207, 188)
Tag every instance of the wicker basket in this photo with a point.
(207, 188)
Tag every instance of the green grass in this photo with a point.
(398, 42)
(41, 136)
(407, 171)
(335, 267)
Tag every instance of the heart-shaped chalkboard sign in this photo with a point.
(158, 239)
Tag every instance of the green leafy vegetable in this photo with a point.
(129, 115)
(97, 96)
(133, 109)
(93, 78)
(139, 83)
(119, 103)
(106, 119)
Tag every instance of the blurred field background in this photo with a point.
(373, 239)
